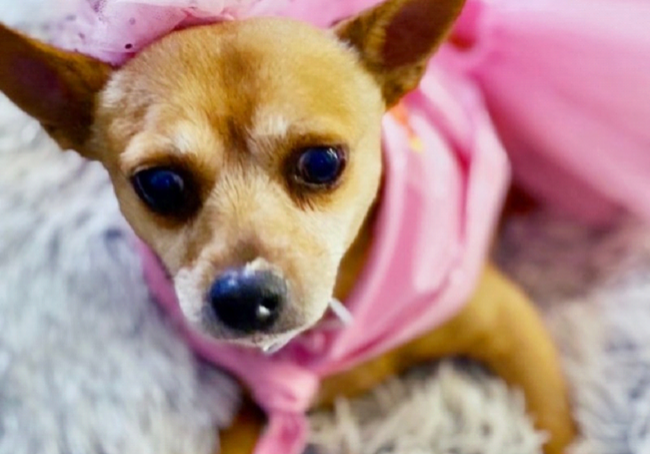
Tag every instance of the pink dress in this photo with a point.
(561, 87)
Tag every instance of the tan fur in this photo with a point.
(231, 104)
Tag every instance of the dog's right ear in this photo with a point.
(56, 87)
(395, 39)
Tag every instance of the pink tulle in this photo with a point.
(568, 85)
(116, 30)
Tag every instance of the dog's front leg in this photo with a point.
(511, 339)
(498, 327)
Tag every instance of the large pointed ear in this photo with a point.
(396, 39)
(57, 88)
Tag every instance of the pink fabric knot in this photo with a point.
(285, 387)
(313, 343)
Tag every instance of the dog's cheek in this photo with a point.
(315, 268)
(314, 294)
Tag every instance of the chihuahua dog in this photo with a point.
(247, 155)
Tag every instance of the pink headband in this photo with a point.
(115, 30)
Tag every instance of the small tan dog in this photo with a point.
(228, 117)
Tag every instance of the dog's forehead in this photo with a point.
(262, 75)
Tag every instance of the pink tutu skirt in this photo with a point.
(567, 83)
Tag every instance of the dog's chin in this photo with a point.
(267, 343)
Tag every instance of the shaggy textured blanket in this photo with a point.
(89, 365)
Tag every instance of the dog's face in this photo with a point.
(249, 169)
(246, 154)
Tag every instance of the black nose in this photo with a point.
(248, 301)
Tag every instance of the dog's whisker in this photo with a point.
(341, 312)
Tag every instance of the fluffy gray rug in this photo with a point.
(88, 365)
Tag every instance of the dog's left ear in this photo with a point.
(396, 39)
(56, 87)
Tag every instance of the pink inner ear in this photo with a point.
(415, 30)
(47, 96)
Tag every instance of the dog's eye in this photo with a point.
(320, 166)
(164, 190)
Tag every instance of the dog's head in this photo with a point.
(246, 154)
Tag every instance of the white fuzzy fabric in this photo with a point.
(88, 365)
(447, 408)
